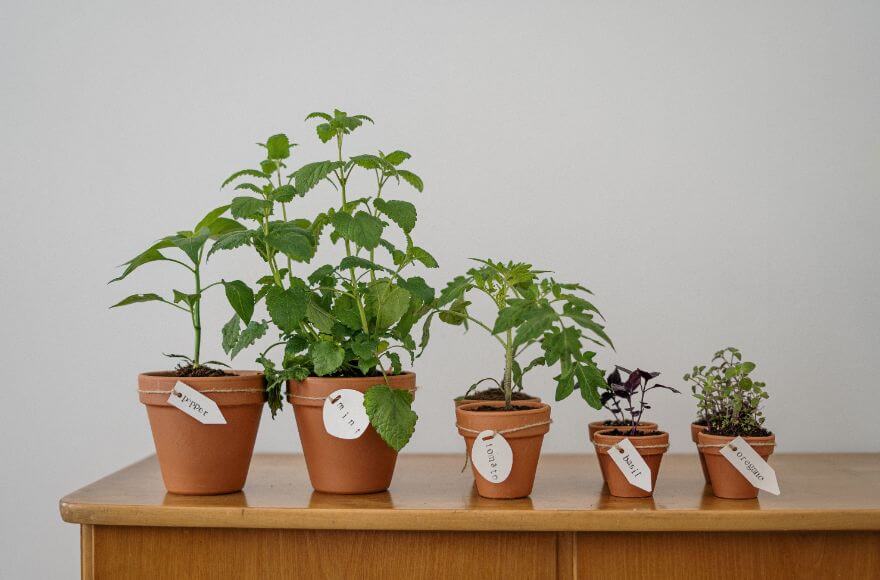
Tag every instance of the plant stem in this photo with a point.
(197, 316)
(508, 370)
(342, 183)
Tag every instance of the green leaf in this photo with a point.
(326, 357)
(241, 298)
(590, 380)
(188, 299)
(346, 311)
(423, 256)
(397, 157)
(403, 213)
(368, 161)
(390, 412)
(358, 262)
(361, 228)
(191, 243)
(587, 322)
(151, 254)
(309, 175)
(251, 334)
(419, 288)
(322, 319)
(511, 316)
(396, 367)
(246, 207)
(412, 179)
(242, 173)
(564, 385)
(287, 308)
(293, 241)
(231, 240)
(230, 334)
(210, 217)
(222, 226)
(397, 256)
(136, 298)
(534, 326)
(386, 303)
(284, 193)
(456, 314)
(278, 146)
(454, 290)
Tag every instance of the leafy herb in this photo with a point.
(192, 245)
(626, 398)
(532, 310)
(728, 399)
(345, 319)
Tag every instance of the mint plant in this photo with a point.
(191, 244)
(626, 398)
(728, 399)
(531, 311)
(346, 319)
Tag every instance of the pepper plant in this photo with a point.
(728, 399)
(626, 398)
(191, 244)
(531, 311)
(345, 319)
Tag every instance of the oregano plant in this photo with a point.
(728, 398)
(191, 245)
(349, 318)
(532, 311)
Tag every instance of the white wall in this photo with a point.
(711, 171)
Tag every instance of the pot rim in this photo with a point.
(602, 422)
(540, 406)
(601, 438)
(764, 451)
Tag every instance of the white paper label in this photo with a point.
(196, 405)
(627, 459)
(752, 466)
(344, 414)
(492, 456)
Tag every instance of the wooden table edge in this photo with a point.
(472, 520)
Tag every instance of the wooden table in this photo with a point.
(432, 524)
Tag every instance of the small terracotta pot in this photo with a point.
(525, 444)
(727, 482)
(694, 430)
(597, 426)
(618, 485)
(198, 459)
(465, 401)
(345, 466)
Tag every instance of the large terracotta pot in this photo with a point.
(346, 466)
(650, 447)
(695, 428)
(596, 426)
(727, 482)
(198, 459)
(525, 444)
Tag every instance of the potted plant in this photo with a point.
(613, 402)
(532, 311)
(651, 444)
(729, 401)
(343, 326)
(197, 458)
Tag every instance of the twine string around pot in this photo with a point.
(501, 432)
(174, 391)
(295, 396)
(734, 448)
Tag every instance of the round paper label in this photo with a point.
(492, 456)
(344, 414)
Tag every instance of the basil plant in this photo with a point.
(349, 318)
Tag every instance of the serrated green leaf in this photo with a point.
(241, 298)
(278, 146)
(309, 175)
(284, 193)
(454, 290)
(586, 321)
(361, 228)
(590, 380)
(346, 311)
(368, 161)
(403, 213)
(326, 357)
(210, 217)
(511, 316)
(251, 334)
(151, 254)
(287, 308)
(322, 319)
(291, 240)
(231, 240)
(246, 207)
(191, 243)
(242, 173)
(397, 157)
(390, 412)
(358, 262)
(421, 255)
(230, 334)
(412, 179)
(386, 303)
(419, 288)
(534, 326)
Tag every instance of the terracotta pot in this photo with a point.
(727, 482)
(346, 466)
(694, 430)
(525, 444)
(618, 485)
(198, 459)
(597, 426)
(464, 401)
